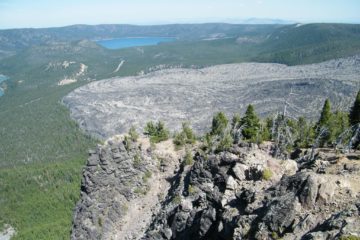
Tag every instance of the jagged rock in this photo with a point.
(224, 196)
(179, 223)
(229, 158)
(207, 219)
(246, 195)
(344, 223)
(104, 195)
(240, 171)
(281, 212)
(302, 225)
(255, 173)
(186, 205)
(291, 207)
(227, 224)
(308, 193)
(244, 225)
(289, 167)
(326, 192)
(167, 233)
(231, 183)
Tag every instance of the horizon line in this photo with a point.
(284, 22)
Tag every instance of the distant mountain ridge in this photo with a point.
(274, 35)
(13, 40)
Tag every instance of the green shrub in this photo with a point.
(137, 161)
(176, 199)
(188, 159)
(186, 136)
(267, 174)
(208, 142)
(190, 136)
(146, 176)
(142, 191)
(266, 129)
(179, 140)
(100, 221)
(150, 129)
(275, 236)
(219, 124)
(157, 132)
(133, 134)
(350, 237)
(127, 143)
(225, 143)
(191, 190)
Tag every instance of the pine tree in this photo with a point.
(226, 142)
(219, 124)
(250, 123)
(325, 123)
(186, 136)
(190, 136)
(354, 119)
(305, 133)
(339, 123)
(235, 128)
(150, 129)
(235, 121)
(355, 111)
(157, 132)
(325, 115)
(266, 129)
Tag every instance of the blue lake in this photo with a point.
(118, 43)
(2, 78)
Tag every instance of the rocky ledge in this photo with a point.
(242, 193)
(123, 185)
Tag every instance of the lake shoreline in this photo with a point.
(128, 42)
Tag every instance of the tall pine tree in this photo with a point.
(355, 111)
(325, 122)
(251, 124)
(325, 115)
(219, 124)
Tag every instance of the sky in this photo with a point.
(52, 13)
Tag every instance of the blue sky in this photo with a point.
(47, 13)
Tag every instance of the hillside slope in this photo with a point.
(108, 107)
(310, 43)
(13, 40)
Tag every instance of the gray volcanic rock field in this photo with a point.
(111, 106)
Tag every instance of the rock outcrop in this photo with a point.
(226, 196)
(109, 177)
(123, 185)
(242, 193)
